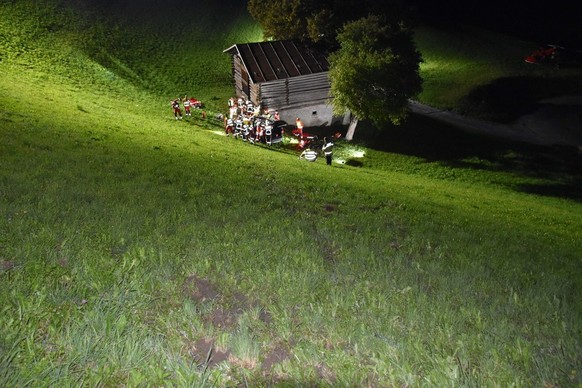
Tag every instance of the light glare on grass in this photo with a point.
(354, 152)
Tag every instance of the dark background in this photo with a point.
(545, 22)
(541, 21)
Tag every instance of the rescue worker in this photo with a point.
(257, 111)
(233, 111)
(309, 155)
(299, 125)
(327, 150)
(229, 127)
(186, 103)
(268, 133)
(239, 129)
(177, 111)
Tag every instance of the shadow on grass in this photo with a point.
(554, 171)
(506, 99)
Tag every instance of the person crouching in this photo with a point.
(309, 155)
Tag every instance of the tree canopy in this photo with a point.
(375, 71)
(319, 20)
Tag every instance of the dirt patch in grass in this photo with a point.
(206, 355)
(200, 290)
(265, 317)
(330, 207)
(227, 308)
(6, 265)
(325, 373)
(223, 319)
(275, 356)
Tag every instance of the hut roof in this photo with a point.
(274, 60)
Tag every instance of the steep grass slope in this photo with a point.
(137, 250)
(175, 48)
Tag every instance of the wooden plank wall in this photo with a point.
(307, 89)
(255, 93)
(302, 90)
(274, 94)
(310, 89)
(241, 81)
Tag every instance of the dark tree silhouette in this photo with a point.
(319, 20)
(376, 70)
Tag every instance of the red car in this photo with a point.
(194, 103)
(545, 54)
(555, 55)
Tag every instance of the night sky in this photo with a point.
(558, 22)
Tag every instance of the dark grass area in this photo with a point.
(542, 21)
(507, 98)
(554, 171)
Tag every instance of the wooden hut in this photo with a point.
(288, 76)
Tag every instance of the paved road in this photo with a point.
(557, 121)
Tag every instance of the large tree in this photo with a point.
(319, 20)
(375, 71)
(280, 19)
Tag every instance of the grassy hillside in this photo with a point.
(137, 250)
(175, 48)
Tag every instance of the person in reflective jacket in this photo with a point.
(309, 155)
(327, 150)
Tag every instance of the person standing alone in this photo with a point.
(176, 107)
(327, 150)
(299, 125)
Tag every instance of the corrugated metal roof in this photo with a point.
(274, 60)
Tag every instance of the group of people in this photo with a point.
(246, 121)
(241, 108)
(188, 104)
